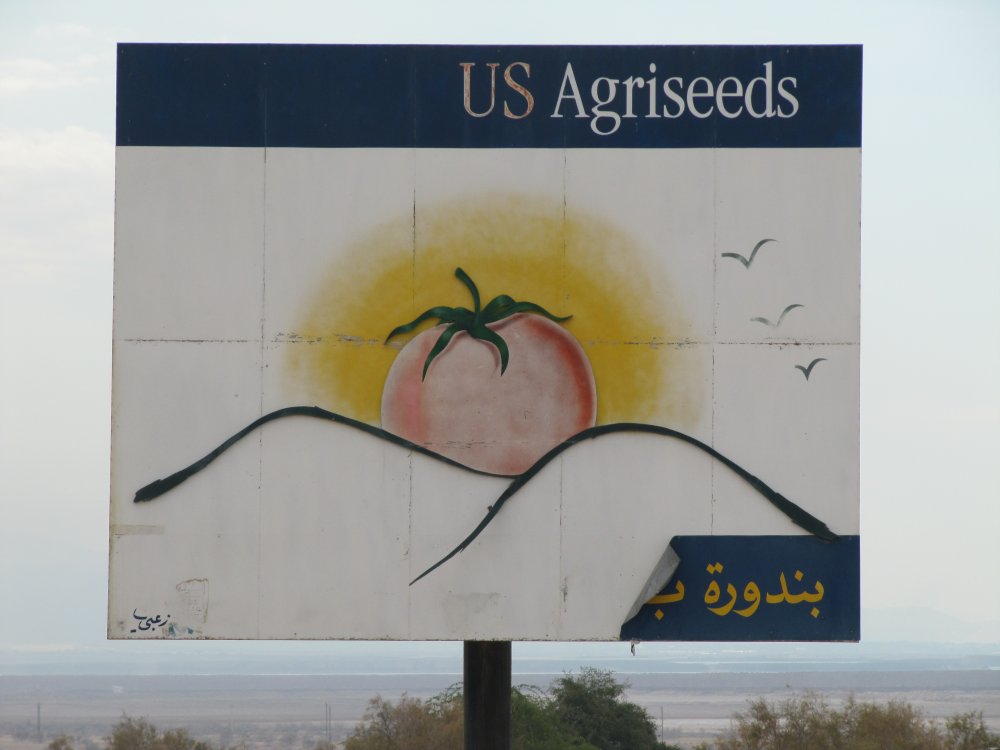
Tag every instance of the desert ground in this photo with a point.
(288, 711)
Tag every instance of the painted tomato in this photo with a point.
(492, 395)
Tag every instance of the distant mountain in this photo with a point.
(892, 639)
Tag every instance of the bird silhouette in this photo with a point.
(807, 371)
(781, 317)
(747, 261)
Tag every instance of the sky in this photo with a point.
(930, 368)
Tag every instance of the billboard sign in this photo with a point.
(471, 343)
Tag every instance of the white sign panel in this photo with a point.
(476, 343)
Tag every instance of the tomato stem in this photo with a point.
(465, 279)
(474, 322)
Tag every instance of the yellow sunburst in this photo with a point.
(527, 247)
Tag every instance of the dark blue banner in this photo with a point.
(346, 96)
(756, 588)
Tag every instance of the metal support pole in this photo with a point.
(487, 695)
